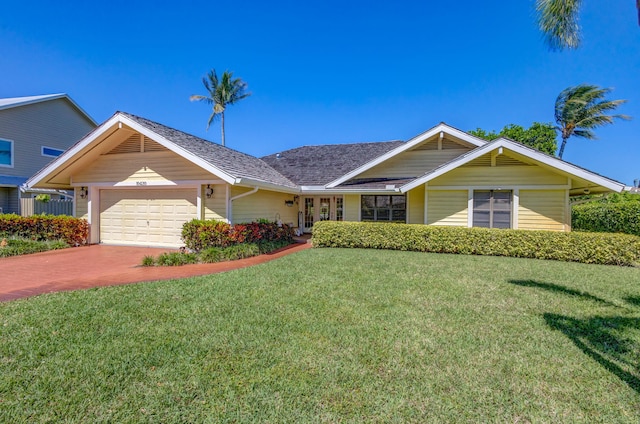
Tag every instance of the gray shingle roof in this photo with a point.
(234, 163)
(319, 165)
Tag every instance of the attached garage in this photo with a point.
(149, 217)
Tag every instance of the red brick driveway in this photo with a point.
(99, 265)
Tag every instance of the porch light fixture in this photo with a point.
(289, 203)
(209, 191)
(83, 192)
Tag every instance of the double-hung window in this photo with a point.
(492, 208)
(6, 153)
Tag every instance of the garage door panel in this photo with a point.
(145, 217)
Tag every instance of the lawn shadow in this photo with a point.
(556, 288)
(633, 300)
(603, 339)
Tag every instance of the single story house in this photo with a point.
(137, 181)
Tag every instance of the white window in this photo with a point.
(6, 153)
(50, 152)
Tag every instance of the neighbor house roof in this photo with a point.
(12, 102)
(8, 180)
(319, 165)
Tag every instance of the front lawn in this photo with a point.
(333, 335)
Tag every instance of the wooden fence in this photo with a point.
(30, 206)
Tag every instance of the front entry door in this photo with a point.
(320, 209)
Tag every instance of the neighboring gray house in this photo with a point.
(33, 131)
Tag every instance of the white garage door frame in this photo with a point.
(94, 190)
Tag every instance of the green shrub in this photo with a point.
(270, 246)
(199, 234)
(18, 246)
(594, 248)
(607, 217)
(176, 259)
(74, 231)
(215, 254)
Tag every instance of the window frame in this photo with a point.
(491, 210)
(388, 210)
(11, 152)
(50, 148)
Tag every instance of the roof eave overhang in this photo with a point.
(250, 182)
(442, 127)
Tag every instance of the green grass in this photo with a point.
(334, 335)
(14, 246)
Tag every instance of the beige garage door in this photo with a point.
(145, 217)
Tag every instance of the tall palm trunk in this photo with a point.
(561, 151)
(222, 126)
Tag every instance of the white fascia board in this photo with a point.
(353, 191)
(177, 149)
(265, 185)
(64, 158)
(23, 101)
(567, 167)
(525, 151)
(81, 110)
(442, 127)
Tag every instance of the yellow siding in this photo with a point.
(498, 175)
(351, 207)
(264, 204)
(447, 207)
(82, 205)
(415, 198)
(216, 206)
(413, 163)
(542, 210)
(136, 167)
(235, 190)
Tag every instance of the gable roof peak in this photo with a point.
(11, 102)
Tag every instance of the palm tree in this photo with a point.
(558, 21)
(221, 92)
(581, 109)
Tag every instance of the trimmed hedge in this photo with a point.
(622, 217)
(591, 248)
(73, 231)
(199, 234)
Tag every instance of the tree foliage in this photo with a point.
(540, 136)
(221, 92)
(559, 23)
(582, 108)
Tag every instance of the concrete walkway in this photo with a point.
(99, 266)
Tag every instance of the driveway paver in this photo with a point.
(99, 266)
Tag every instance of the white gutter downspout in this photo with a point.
(248, 193)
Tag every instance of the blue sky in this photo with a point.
(327, 71)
